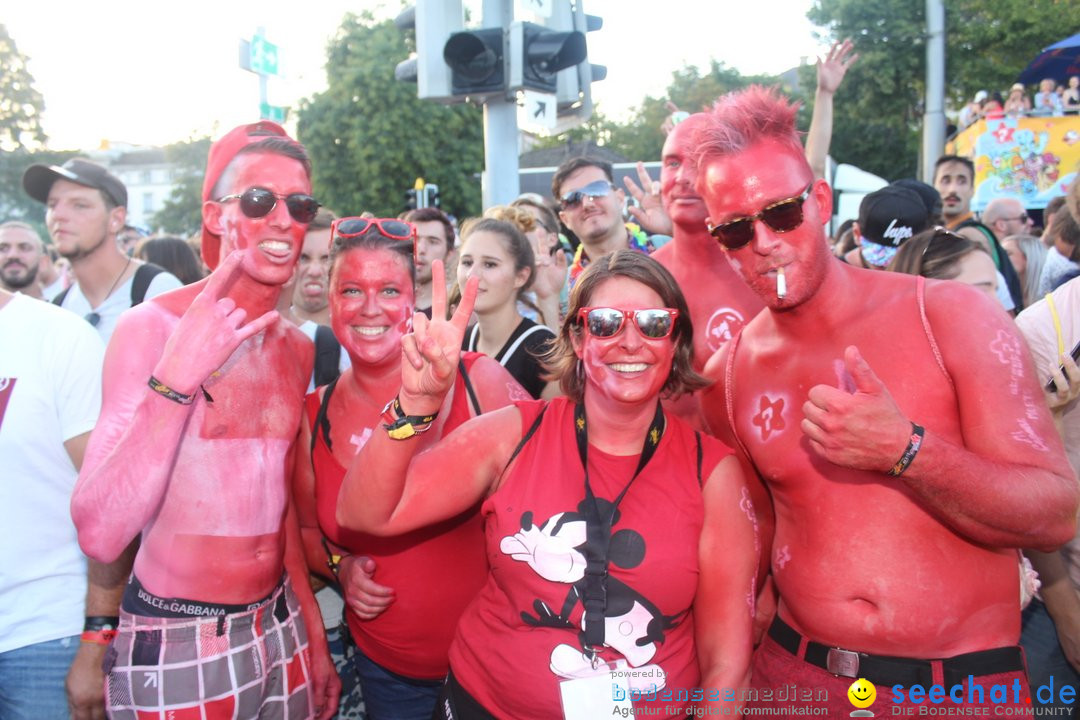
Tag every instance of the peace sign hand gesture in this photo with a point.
(431, 351)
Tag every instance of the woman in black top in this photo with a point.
(500, 255)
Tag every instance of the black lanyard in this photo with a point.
(598, 527)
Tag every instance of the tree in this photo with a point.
(370, 137)
(879, 107)
(20, 103)
(182, 212)
(15, 204)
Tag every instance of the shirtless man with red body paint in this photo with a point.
(203, 392)
(822, 392)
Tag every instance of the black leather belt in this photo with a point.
(887, 670)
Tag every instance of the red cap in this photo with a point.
(221, 154)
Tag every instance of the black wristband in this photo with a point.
(164, 390)
(914, 443)
(101, 622)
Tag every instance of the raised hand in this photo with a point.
(676, 117)
(209, 331)
(863, 429)
(550, 275)
(651, 215)
(430, 352)
(831, 70)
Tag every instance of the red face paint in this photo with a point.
(627, 367)
(678, 177)
(371, 304)
(272, 242)
(740, 185)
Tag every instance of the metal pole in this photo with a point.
(500, 183)
(934, 117)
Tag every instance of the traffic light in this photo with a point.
(575, 88)
(412, 200)
(433, 22)
(431, 195)
(477, 61)
(538, 53)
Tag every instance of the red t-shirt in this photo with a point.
(504, 654)
(434, 571)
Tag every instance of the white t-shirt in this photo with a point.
(50, 392)
(1036, 323)
(117, 302)
(308, 327)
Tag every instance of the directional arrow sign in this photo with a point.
(538, 111)
(264, 56)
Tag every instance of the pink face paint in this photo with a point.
(781, 284)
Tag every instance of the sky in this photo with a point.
(152, 73)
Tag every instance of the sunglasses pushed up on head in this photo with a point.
(782, 216)
(391, 228)
(257, 202)
(606, 322)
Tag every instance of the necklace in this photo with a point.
(94, 317)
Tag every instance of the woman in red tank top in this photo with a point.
(622, 545)
(404, 594)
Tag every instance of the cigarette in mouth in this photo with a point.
(781, 283)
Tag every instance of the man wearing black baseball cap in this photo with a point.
(887, 218)
(86, 208)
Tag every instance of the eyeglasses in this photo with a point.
(1023, 217)
(606, 322)
(258, 202)
(595, 189)
(942, 232)
(350, 227)
(783, 216)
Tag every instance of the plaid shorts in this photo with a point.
(250, 664)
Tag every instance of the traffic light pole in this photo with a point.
(500, 183)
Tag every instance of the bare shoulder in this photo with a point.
(950, 303)
(494, 385)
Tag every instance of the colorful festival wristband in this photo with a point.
(164, 390)
(97, 637)
(914, 443)
(101, 622)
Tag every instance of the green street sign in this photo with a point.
(274, 113)
(264, 56)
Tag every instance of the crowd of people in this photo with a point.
(1052, 99)
(557, 462)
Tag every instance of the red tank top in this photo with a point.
(434, 571)
(523, 628)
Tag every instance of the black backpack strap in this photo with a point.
(322, 419)
(141, 282)
(526, 437)
(469, 388)
(327, 356)
(59, 299)
(700, 457)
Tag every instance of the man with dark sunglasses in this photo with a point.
(900, 428)
(591, 207)
(203, 390)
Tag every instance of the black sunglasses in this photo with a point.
(783, 216)
(595, 189)
(258, 202)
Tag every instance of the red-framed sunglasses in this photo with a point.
(392, 228)
(606, 322)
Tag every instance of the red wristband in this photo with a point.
(97, 637)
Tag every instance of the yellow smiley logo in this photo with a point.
(862, 693)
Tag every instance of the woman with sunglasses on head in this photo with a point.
(622, 544)
(943, 255)
(403, 594)
(502, 258)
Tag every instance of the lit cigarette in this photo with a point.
(781, 283)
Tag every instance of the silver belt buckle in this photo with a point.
(842, 662)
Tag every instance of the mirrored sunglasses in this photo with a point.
(595, 189)
(783, 216)
(257, 202)
(605, 322)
